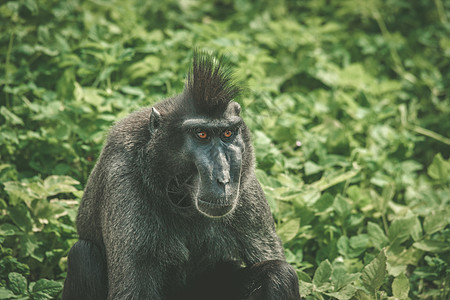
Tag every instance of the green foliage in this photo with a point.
(348, 105)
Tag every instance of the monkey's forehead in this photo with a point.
(232, 121)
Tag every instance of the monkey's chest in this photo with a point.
(205, 252)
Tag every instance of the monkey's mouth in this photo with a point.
(214, 210)
(180, 188)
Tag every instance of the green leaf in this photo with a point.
(359, 241)
(345, 293)
(6, 294)
(341, 277)
(400, 287)
(288, 230)
(28, 243)
(17, 283)
(324, 202)
(10, 117)
(60, 184)
(432, 246)
(439, 168)
(306, 288)
(46, 289)
(401, 228)
(372, 276)
(20, 215)
(342, 206)
(343, 245)
(312, 168)
(377, 236)
(436, 221)
(322, 275)
(19, 190)
(7, 229)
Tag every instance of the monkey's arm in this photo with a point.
(132, 245)
(267, 275)
(258, 236)
(117, 214)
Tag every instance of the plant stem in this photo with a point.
(430, 134)
(8, 58)
(441, 11)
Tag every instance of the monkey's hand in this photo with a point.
(272, 280)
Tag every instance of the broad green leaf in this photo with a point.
(432, 246)
(28, 243)
(416, 230)
(288, 230)
(345, 293)
(92, 96)
(398, 259)
(439, 168)
(62, 131)
(20, 215)
(324, 202)
(7, 229)
(401, 228)
(60, 184)
(6, 294)
(358, 244)
(10, 117)
(17, 283)
(342, 206)
(343, 245)
(359, 241)
(306, 288)
(322, 275)
(45, 287)
(400, 287)
(19, 190)
(341, 277)
(377, 236)
(312, 168)
(360, 295)
(436, 221)
(302, 276)
(373, 274)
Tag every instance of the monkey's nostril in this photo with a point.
(223, 181)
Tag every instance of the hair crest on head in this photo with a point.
(210, 84)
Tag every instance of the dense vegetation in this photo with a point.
(348, 103)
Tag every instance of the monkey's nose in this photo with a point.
(223, 181)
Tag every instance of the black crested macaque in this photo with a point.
(173, 209)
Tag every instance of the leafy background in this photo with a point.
(348, 106)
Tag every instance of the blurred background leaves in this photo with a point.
(348, 106)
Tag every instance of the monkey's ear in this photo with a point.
(237, 108)
(233, 109)
(155, 120)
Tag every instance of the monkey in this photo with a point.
(173, 209)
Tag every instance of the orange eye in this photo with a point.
(227, 133)
(202, 134)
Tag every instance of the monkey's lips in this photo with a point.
(214, 210)
(182, 193)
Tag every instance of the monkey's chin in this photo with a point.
(213, 210)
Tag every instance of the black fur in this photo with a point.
(168, 216)
(210, 84)
(87, 277)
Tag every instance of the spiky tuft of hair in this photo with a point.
(210, 84)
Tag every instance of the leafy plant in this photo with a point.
(348, 105)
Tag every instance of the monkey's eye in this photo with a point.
(202, 135)
(227, 134)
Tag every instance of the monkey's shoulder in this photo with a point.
(130, 131)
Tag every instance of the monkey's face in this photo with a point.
(212, 150)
